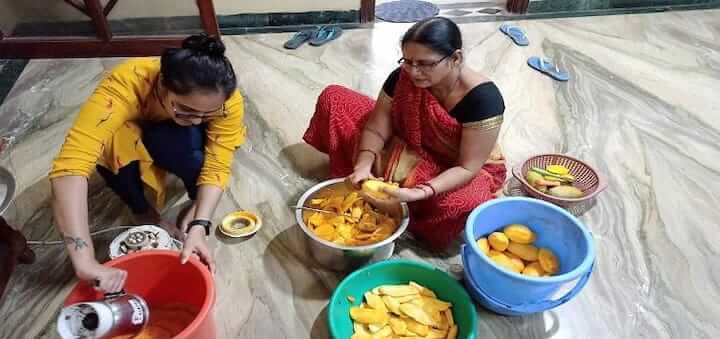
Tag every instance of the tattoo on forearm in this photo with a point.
(77, 242)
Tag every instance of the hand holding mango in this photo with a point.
(377, 188)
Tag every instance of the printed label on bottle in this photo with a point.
(138, 314)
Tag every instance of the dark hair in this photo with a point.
(199, 65)
(439, 34)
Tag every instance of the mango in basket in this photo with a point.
(498, 241)
(566, 192)
(376, 188)
(520, 234)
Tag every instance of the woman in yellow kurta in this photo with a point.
(180, 114)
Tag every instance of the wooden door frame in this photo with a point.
(367, 11)
(104, 44)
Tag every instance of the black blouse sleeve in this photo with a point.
(481, 103)
(391, 82)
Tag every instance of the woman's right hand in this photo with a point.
(360, 174)
(104, 278)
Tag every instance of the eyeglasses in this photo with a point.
(205, 116)
(422, 66)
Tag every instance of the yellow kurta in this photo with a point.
(106, 130)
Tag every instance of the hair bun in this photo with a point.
(204, 44)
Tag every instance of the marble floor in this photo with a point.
(642, 107)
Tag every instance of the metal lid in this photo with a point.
(240, 224)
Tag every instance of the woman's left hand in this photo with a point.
(406, 194)
(195, 243)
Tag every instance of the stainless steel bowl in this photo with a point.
(343, 258)
(7, 189)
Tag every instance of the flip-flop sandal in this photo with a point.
(325, 34)
(548, 67)
(490, 11)
(298, 39)
(515, 33)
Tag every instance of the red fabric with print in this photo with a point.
(427, 128)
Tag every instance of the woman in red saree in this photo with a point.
(433, 129)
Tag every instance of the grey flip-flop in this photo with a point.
(325, 34)
(491, 11)
(548, 67)
(299, 38)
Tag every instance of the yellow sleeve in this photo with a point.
(224, 136)
(115, 101)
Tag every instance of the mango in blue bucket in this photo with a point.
(513, 250)
(404, 311)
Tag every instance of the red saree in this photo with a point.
(426, 143)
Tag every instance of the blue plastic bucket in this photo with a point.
(511, 293)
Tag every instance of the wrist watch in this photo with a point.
(199, 222)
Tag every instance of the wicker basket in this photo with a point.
(587, 179)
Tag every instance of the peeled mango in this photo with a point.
(376, 188)
(566, 192)
(520, 234)
(504, 261)
(524, 251)
(484, 245)
(534, 270)
(498, 241)
(548, 261)
(517, 263)
(514, 251)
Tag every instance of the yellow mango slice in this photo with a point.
(452, 334)
(325, 231)
(484, 245)
(392, 304)
(498, 241)
(548, 261)
(417, 328)
(436, 334)
(520, 234)
(407, 298)
(375, 328)
(385, 332)
(375, 301)
(361, 328)
(525, 251)
(424, 291)
(357, 212)
(534, 270)
(450, 318)
(416, 313)
(398, 290)
(399, 327)
(362, 336)
(375, 188)
(369, 316)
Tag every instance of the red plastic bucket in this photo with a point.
(159, 278)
